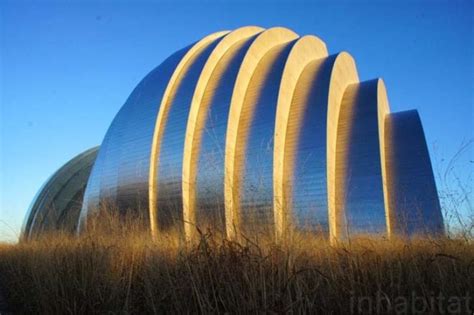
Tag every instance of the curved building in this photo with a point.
(58, 203)
(261, 130)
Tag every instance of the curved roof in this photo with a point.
(57, 204)
(251, 130)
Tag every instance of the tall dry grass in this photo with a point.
(117, 268)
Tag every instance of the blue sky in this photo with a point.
(67, 67)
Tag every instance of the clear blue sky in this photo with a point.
(67, 67)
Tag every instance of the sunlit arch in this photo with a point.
(199, 106)
(343, 73)
(263, 43)
(359, 159)
(305, 50)
(161, 121)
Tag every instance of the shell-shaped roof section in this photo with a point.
(57, 204)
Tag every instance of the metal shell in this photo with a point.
(261, 130)
(58, 203)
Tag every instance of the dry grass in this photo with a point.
(124, 271)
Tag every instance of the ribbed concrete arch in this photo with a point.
(167, 102)
(253, 131)
(316, 103)
(318, 92)
(58, 203)
(265, 42)
(413, 203)
(304, 166)
(305, 50)
(383, 111)
(120, 177)
(344, 73)
(206, 86)
(359, 188)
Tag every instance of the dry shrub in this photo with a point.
(120, 269)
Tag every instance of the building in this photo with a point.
(254, 130)
(58, 203)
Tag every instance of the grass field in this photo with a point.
(124, 271)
